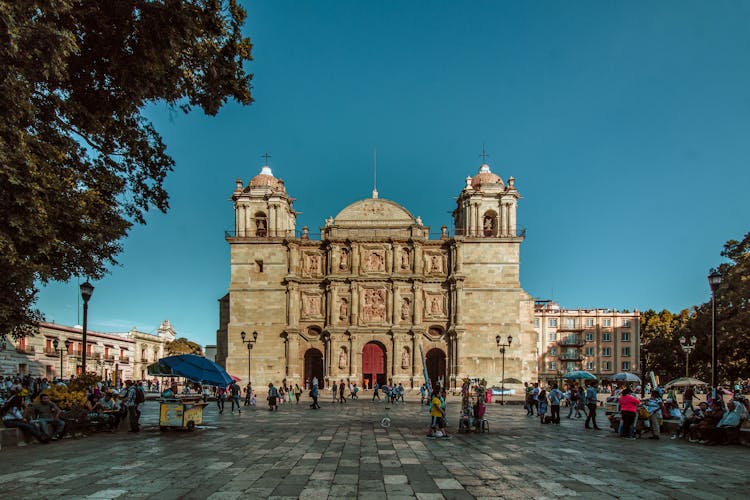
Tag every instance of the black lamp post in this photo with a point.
(326, 348)
(714, 280)
(56, 344)
(502, 351)
(249, 350)
(687, 347)
(87, 289)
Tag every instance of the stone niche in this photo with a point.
(312, 264)
(405, 308)
(435, 262)
(404, 259)
(373, 307)
(435, 305)
(374, 259)
(343, 311)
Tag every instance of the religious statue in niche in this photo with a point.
(405, 361)
(489, 225)
(405, 308)
(343, 358)
(373, 305)
(375, 261)
(344, 259)
(404, 258)
(343, 310)
(436, 305)
(436, 264)
(314, 264)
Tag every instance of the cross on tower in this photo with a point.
(484, 155)
(266, 156)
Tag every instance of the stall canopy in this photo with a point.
(579, 375)
(192, 367)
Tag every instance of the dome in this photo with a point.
(266, 178)
(374, 212)
(485, 176)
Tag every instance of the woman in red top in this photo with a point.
(628, 408)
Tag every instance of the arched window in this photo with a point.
(261, 224)
(489, 223)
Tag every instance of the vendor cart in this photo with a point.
(180, 413)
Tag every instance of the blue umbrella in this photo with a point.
(579, 375)
(195, 368)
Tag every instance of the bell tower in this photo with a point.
(263, 209)
(486, 207)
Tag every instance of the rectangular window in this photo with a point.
(553, 322)
(570, 322)
(536, 322)
(551, 337)
(553, 365)
(606, 337)
(626, 365)
(625, 336)
(607, 365)
(589, 336)
(553, 351)
(626, 351)
(606, 351)
(607, 322)
(626, 323)
(589, 322)
(589, 351)
(590, 365)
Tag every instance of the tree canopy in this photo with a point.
(183, 346)
(660, 332)
(79, 162)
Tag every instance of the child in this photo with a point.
(542, 405)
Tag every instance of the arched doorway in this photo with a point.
(373, 364)
(314, 367)
(435, 361)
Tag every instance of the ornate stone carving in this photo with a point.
(373, 304)
(343, 310)
(434, 305)
(405, 258)
(344, 260)
(311, 264)
(374, 260)
(405, 358)
(436, 264)
(311, 305)
(343, 358)
(405, 308)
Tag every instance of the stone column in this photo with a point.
(396, 307)
(294, 370)
(459, 257)
(293, 291)
(477, 221)
(459, 299)
(417, 306)
(418, 259)
(512, 218)
(413, 357)
(355, 260)
(354, 306)
(240, 220)
(390, 305)
(330, 304)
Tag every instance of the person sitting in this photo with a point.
(727, 430)
(48, 415)
(96, 412)
(111, 407)
(693, 420)
(170, 392)
(13, 417)
(703, 431)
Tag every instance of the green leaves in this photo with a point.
(79, 164)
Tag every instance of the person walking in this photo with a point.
(687, 400)
(132, 405)
(555, 396)
(221, 396)
(273, 395)
(297, 392)
(628, 408)
(234, 392)
(314, 393)
(342, 388)
(541, 409)
(591, 402)
(248, 393)
(423, 393)
(376, 392)
(335, 391)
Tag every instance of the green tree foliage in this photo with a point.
(79, 163)
(183, 346)
(660, 332)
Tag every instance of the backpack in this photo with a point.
(274, 392)
(140, 396)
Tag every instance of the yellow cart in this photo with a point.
(181, 413)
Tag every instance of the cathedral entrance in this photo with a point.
(435, 361)
(313, 367)
(373, 364)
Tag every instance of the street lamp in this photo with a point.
(86, 290)
(249, 350)
(687, 347)
(714, 280)
(326, 348)
(502, 351)
(56, 344)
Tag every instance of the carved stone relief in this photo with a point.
(405, 358)
(344, 260)
(434, 305)
(435, 263)
(405, 262)
(311, 264)
(374, 260)
(343, 310)
(373, 304)
(405, 308)
(343, 358)
(312, 305)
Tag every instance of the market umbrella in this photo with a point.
(579, 375)
(236, 379)
(625, 377)
(193, 367)
(684, 382)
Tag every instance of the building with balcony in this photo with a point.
(114, 356)
(600, 341)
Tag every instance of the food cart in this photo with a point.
(181, 413)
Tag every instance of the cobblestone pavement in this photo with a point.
(341, 451)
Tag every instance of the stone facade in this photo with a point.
(600, 341)
(360, 302)
(123, 355)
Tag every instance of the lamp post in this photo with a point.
(687, 347)
(56, 344)
(502, 347)
(86, 290)
(249, 350)
(714, 280)
(326, 341)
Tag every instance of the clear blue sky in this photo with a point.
(626, 125)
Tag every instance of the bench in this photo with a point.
(744, 436)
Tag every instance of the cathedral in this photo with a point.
(376, 293)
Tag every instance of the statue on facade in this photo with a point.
(435, 265)
(404, 258)
(405, 358)
(343, 358)
(405, 308)
(435, 305)
(344, 259)
(314, 264)
(343, 310)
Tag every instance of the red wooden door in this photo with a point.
(373, 363)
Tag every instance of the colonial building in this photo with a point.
(119, 356)
(601, 341)
(375, 290)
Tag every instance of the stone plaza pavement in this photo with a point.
(341, 451)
